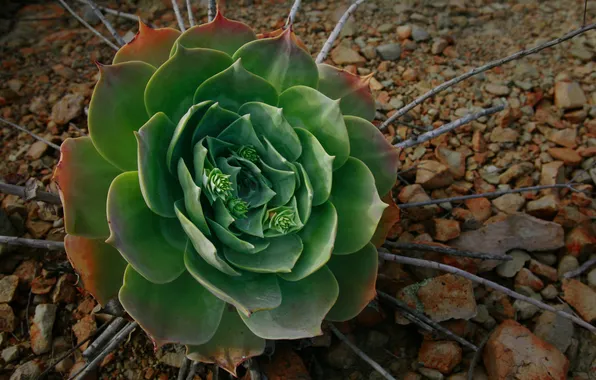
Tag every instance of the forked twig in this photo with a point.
(444, 250)
(106, 22)
(360, 353)
(191, 17)
(92, 29)
(477, 70)
(33, 243)
(21, 191)
(403, 306)
(448, 127)
(584, 267)
(335, 33)
(23, 129)
(459, 272)
(293, 11)
(211, 9)
(179, 18)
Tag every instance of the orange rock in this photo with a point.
(543, 270)
(580, 240)
(444, 229)
(440, 355)
(447, 297)
(513, 352)
(481, 208)
(432, 175)
(285, 364)
(526, 278)
(568, 156)
(581, 297)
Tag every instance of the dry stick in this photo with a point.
(448, 127)
(403, 306)
(485, 195)
(95, 31)
(520, 54)
(21, 191)
(105, 21)
(115, 12)
(192, 371)
(293, 11)
(33, 243)
(360, 353)
(184, 369)
(477, 355)
(191, 18)
(101, 340)
(453, 270)
(211, 9)
(23, 129)
(584, 267)
(118, 339)
(445, 250)
(335, 33)
(178, 15)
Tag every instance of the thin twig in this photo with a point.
(293, 11)
(118, 339)
(211, 9)
(360, 353)
(417, 127)
(448, 127)
(23, 129)
(403, 306)
(335, 33)
(453, 270)
(444, 250)
(178, 15)
(477, 356)
(191, 17)
(106, 22)
(520, 54)
(33, 243)
(585, 12)
(584, 267)
(101, 340)
(115, 12)
(92, 29)
(184, 368)
(21, 191)
(192, 371)
(493, 194)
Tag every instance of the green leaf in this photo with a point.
(318, 237)
(173, 85)
(252, 224)
(317, 164)
(220, 34)
(352, 90)
(249, 292)
(231, 170)
(153, 245)
(201, 244)
(116, 110)
(181, 311)
(368, 145)
(304, 305)
(192, 199)
(356, 275)
(359, 207)
(234, 242)
(304, 195)
(149, 45)
(283, 183)
(280, 61)
(179, 146)
(84, 178)
(222, 215)
(242, 133)
(214, 122)
(269, 122)
(307, 108)
(235, 86)
(160, 189)
(232, 344)
(279, 257)
(100, 266)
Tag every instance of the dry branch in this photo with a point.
(360, 353)
(179, 18)
(211, 9)
(106, 22)
(459, 272)
(584, 267)
(184, 369)
(92, 29)
(335, 33)
(37, 195)
(114, 12)
(448, 127)
(115, 326)
(33, 243)
(191, 17)
(520, 54)
(293, 11)
(444, 250)
(23, 129)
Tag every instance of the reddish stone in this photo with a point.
(581, 297)
(526, 278)
(84, 329)
(568, 156)
(440, 355)
(543, 270)
(42, 285)
(26, 271)
(7, 318)
(444, 229)
(481, 208)
(580, 241)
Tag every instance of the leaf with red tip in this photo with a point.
(391, 215)
(149, 45)
(278, 32)
(280, 61)
(220, 34)
(84, 178)
(117, 109)
(356, 275)
(99, 264)
(232, 343)
(355, 95)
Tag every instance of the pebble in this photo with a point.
(439, 46)
(419, 34)
(440, 355)
(10, 354)
(543, 270)
(67, 108)
(569, 95)
(549, 292)
(84, 328)
(37, 150)
(526, 278)
(581, 297)
(509, 203)
(389, 52)
(404, 32)
(432, 175)
(497, 89)
(28, 371)
(8, 288)
(341, 356)
(591, 277)
(7, 318)
(41, 328)
(567, 264)
(555, 329)
(510, 268)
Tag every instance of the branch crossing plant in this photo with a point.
(228, 190)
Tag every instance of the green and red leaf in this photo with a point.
(150, 45)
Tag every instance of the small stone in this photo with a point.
(431, 374)
(389, 52)
(550, 292)
(8, 287)
(171, 358)
(455, 161)
(37, 150)
(64, 291)
(580, 241)
(343, 55)
(478, 142)
(510, 268)
(83, 329)
(404, 32)
(7, 318)
(481, 208)
(581, 297)
(543, 270)
(38, 228)
(440, 355)
(68, 108)
(552, 173)
(63, 71)
(515, 172)
(591, 277)
(419, 34)
(41, 328)
(414, 194)
(42, 285)
(504, 135)
(545, 208)
(568, 156)
(525, 310)
(28, 371)
(569, 95)
(341, 356)
(526, 278)
(376, 339)
(438, 46)
(555, 329)
(567, 264)
(10, 354)
(384, 28)
(509, 203)
(432, 175)
(445, 229)
(513, 352)
(410, 74)
(565, 137)
(497, 89)
(39, 105)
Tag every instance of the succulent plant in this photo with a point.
(228, 189)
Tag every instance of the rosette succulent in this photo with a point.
(228, 189)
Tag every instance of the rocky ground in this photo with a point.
(547, 135)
